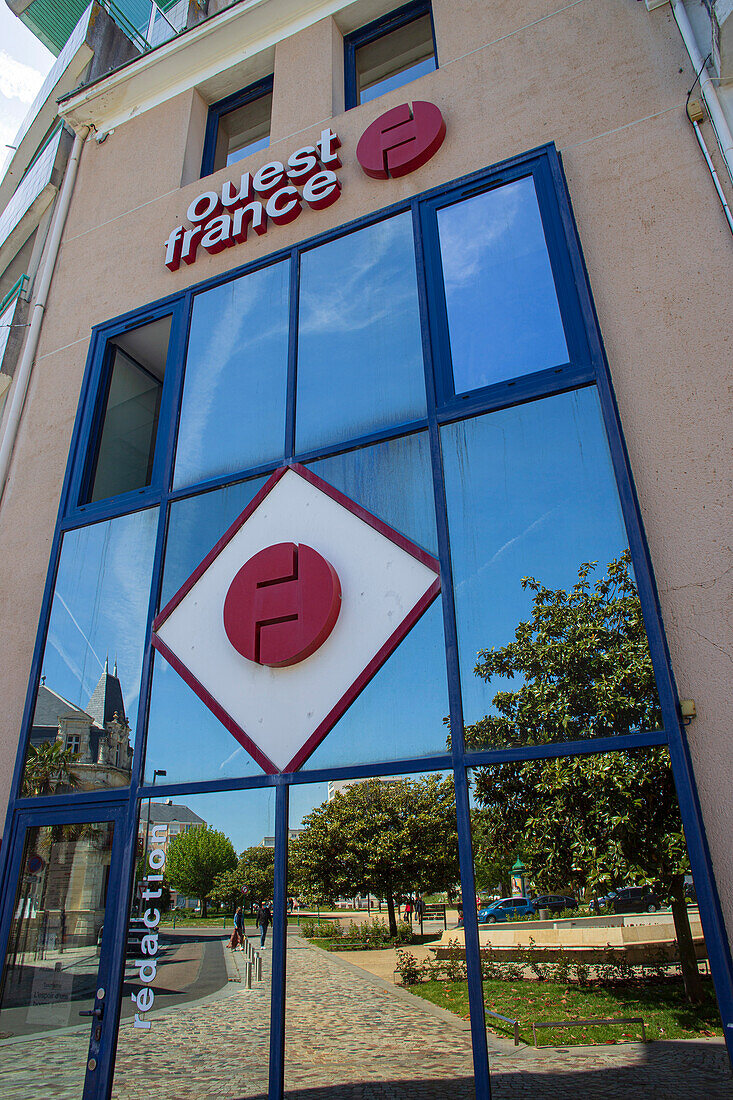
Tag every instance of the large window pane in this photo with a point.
(233, 411)
(367, 858)
(203, 1000)
(50, 972)
(179, 724)
(126, 450)
(360, 365)
(394, 59)
(552, 643)
(579, 921)
(400, 713)
(503, 316)
(83, 727)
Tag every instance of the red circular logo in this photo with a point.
(400, 140)
(282, 605)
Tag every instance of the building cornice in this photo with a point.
(238, 41)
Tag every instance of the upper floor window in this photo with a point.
(125, 449)
(238, 126)
(389, 52)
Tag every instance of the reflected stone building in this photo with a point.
(99, 736)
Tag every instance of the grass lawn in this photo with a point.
(662, 1004)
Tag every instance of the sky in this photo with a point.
(24, 63)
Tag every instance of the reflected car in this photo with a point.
(505, 908)
(555, 902)
(628, 899)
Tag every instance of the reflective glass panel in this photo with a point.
(243, 131)
(184, 738)
(83, 728)
(503, 315)
(233, 410)
(52, 959)
(400, 713)
(195, 1015)
(552, 644)
(126, 449)
(374, 887)
(394, 59)
(590, 927)
(360, 365)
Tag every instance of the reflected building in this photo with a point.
(98, 735)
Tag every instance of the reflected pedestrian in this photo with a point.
(264, 917)
(238, 934)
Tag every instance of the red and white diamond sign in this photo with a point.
(292, 613)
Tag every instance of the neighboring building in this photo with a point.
(269, 841)
(409, 312)
(337, 785)
(175, 819)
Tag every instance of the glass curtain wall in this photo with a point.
(536, 648)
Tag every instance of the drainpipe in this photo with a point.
(25, 366)
(718, 119)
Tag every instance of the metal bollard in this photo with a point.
(248, 975)
(258, 968)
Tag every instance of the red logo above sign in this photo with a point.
(400, 140)
(282, 605)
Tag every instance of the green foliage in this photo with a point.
(194, 860)
(585, 664)
(255, 871)
(588, 823)
(391, 839)
(48, 769)
(407, 967)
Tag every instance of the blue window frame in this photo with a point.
(389, 52)
(446, 404)
(237, 125)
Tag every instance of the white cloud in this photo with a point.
(18, 81)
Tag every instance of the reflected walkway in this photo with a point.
(351, 1036)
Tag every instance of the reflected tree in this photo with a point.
(388, 837)
(252, 880)
(590, 822)
(48, 769)
(195, 858)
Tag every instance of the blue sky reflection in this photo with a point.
(530, 492)
(503, 316)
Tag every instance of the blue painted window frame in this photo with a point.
(587, 366)
(378, 29)
(222, 107)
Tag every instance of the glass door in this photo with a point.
(55, 1005)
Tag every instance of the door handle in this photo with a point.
(98, 1013)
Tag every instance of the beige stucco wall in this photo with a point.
(606, 81)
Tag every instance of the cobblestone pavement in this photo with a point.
(350, 1036)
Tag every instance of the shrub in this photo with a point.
(455, 963)
(407, 967)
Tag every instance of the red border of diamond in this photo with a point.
(361, 681)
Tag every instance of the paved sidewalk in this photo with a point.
(350, 1035)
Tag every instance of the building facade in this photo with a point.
(447, 286)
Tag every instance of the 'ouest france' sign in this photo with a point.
(396, 143)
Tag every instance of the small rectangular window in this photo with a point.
(388, 53)
(238, 126)
(126, 448)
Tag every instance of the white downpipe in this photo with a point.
(25, 366)
(718, 119)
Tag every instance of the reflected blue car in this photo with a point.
(505, 908)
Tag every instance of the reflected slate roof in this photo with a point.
(50, 707)
(106, 700)
(161, 813)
